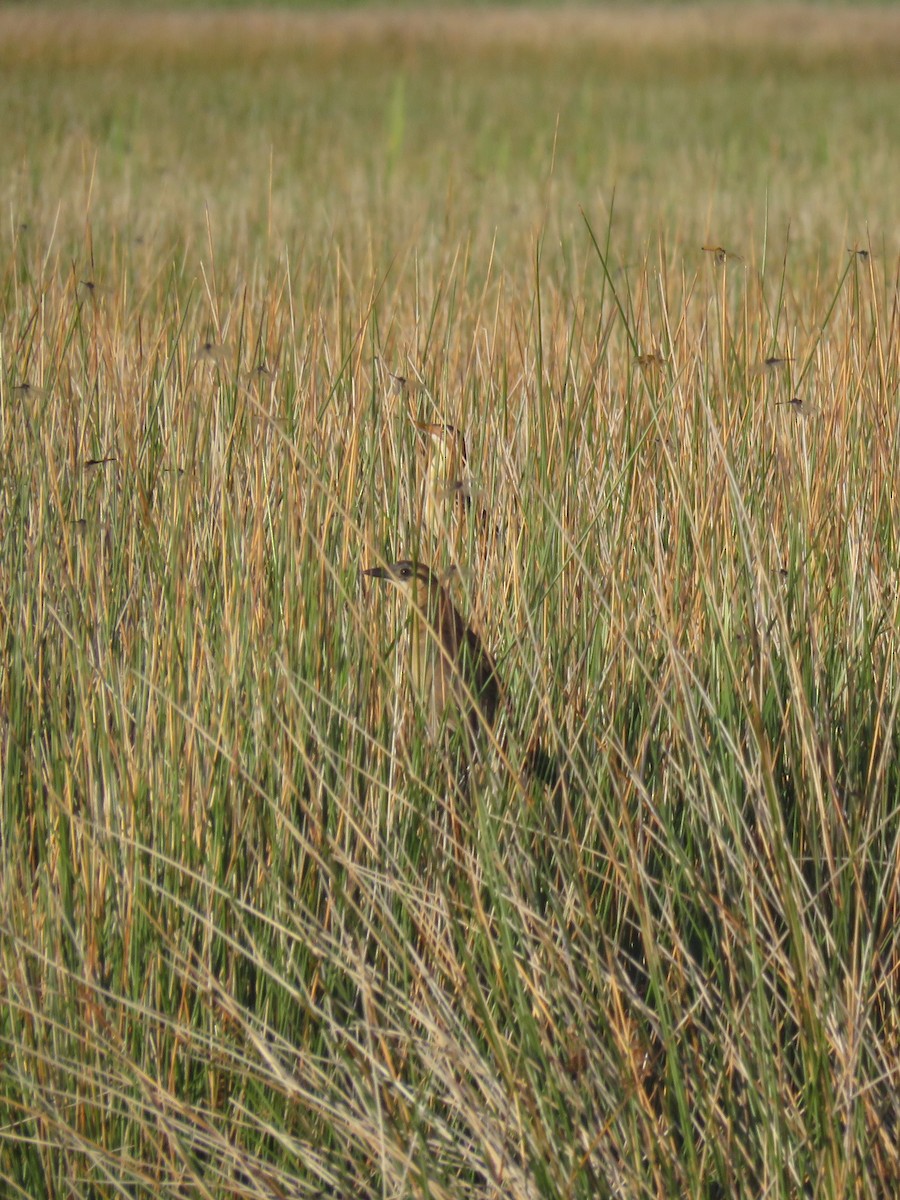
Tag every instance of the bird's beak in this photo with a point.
(377, 572)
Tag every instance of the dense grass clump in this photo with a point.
(256, 938)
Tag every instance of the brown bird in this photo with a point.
(451, 669)
(446, 498)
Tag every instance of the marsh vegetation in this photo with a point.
(253, 939)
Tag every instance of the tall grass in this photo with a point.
(255, 941)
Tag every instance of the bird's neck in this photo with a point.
(435, 623)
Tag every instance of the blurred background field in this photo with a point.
(254, 939)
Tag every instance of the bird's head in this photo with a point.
(448, 453)
(418, 581)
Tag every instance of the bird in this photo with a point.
(446, 498)
(452, 670)
(454, 673)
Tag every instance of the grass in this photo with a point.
(254, 940)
